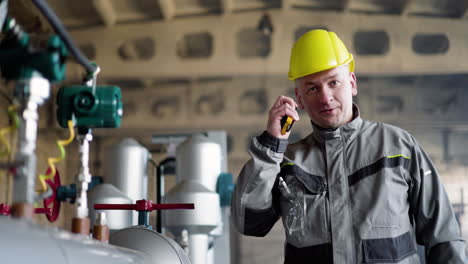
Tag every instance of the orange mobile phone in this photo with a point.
(286, 124)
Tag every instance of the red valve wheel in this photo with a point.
(54, 184)
(5, 209)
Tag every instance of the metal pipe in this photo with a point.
(84, 176)
(143, 218)
(160, 169)
(11, 165)
(198, 248)
(81, 222)
(81, 225)
(31, 90)
(101, 230)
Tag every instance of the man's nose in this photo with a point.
(325, 95)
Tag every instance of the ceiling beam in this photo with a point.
(345, 5)
(227, 6)
(167, 8)
(106, 12)
(249, 5)
(405, 7)
(464, 13)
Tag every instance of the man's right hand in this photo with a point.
(283, 106)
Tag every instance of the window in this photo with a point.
(427, 44)
(193, 46)
(371, 42)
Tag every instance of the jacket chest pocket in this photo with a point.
(304, 208)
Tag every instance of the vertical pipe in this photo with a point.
(84, 176)
(143, 218)
(159, 194)
(101, 230)
(198, 248)
(81, 223)
(160, 188)
(32, 90)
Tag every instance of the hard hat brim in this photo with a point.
(349, 61)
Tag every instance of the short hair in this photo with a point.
(344, 65)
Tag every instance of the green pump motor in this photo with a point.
(101, 109)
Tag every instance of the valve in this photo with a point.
(52, 200)
(5, 209)
(143, 207)
(50, 212)
(68, 192)
(19, 50)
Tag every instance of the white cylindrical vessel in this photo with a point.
(203, 219)
(161, 249)
(125, 167)
(108, 194)
(199, 159)
(23, 242)
(198, 166)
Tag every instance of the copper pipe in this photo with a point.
(101, 233)
(81, 225)
(22, 210)
(101, 230)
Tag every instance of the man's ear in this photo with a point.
(353, 82)
(299, 99)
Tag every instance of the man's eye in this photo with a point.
(334, 83)
(312, 89)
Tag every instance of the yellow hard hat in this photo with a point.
(316, 51)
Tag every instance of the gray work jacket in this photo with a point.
(363, 193)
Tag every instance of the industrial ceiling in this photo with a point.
(91, 13)
(176, 38)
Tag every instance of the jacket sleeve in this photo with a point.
(255, 206)
(435, 223)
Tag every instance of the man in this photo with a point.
(353, 191)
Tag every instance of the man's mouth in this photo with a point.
(327, 111)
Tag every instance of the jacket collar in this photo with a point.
(346, 131)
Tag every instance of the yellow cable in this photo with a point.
(52, 160)
(14, 120)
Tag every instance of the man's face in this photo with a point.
(327, 96)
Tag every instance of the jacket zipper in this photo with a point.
(327, 216)
(353, 242)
